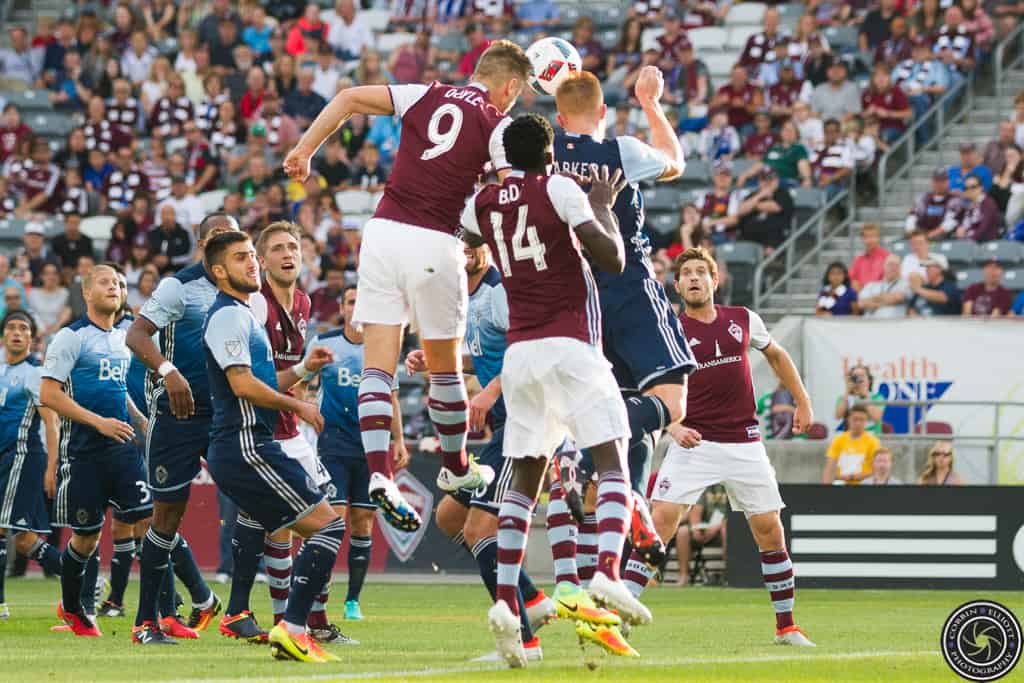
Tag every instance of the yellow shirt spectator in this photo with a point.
(851, 453)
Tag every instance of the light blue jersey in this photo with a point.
(178, 309)
(136, 372)
(92, 365)
(486, 325)
(19, 400)
(232, 337)
(339, 394)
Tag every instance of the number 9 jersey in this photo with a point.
(411, 264)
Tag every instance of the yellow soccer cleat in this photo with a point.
(321, 652)
(574, 603)
(298, 648)
(607, 637)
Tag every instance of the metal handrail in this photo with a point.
(999, 55)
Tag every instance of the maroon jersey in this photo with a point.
(10, 137)
(720, 400)
(528, 221)
(448, 136)
(892, 99)
(126, 114)
(758, 144)
(31, 179)
(169, 115)
(106, 136)
(287, 334)
(785, 95)
(761, 48)
(739, 116)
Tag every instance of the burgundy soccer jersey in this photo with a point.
(287, 334)
(528, 221)
(720, 402)
(10, 137)
(448, 136)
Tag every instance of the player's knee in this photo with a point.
(24, 541)
(673, 396)
(766, 529)
(85, 544)
(479, 525)
(167, 516)
(666, 518)
(361, 521)
(450, 516)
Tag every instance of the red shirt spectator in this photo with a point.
(740, 98)
(768, 46)
(869, 266)
(478, 44)
(307, 33)
(897, 47)
(12, 132)
(171, 112)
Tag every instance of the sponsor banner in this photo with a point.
(907, 537)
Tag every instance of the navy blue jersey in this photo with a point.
(92, 365)
(486, 325)
(178, 309)
(232, 336)
(136, 372)
(638, 162)
(19, 400)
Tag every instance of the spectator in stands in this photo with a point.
(369, 174)
(12, 131)
(778, 408)
(123, 184)
(1008, 187)
(688, 235)
(720, 209)
(837, 295)
(72, 87)
(788, 158)
(307, 33)
(478, 43)
(767, 214)
(927, 20)
(938, 471)
(870, 265)
(935, 212)
(881, 470)
(48, 303)
(817, 63)
(863, 148)
(761, 140)
(625, 55)
(331, 165)
(188, 209)
(222, 49)
(7, 282)
(590, 49)
(201, 163)
(719, 141)
(988, 298)
(860, 390)
(170, 245)
(97, 172)
(325, 301)
(692, 80)
(838, 98)
(347, 32)
(923, 79)
(282, 131)
(705, 524)
(763, 51)
(741, 99)
(994, 156)
(20, 64)
(210, 24)
(806, 37)
(850, 455)
(785, 93)
(138, 260)
(408, 63)
(981, 221)
(371, 70)
(811, 129)
(888, 103)
(877, 26)
(977, 23)
(170, 112)
(832, 162)
(143, 290)
(123, 109)
(537, 14)
(36, 181)
(671, 41)
(954, 44)
(897, 47)
(137, 61)
(971, 163)
(76, 296)
(885, 298)
(304, 104)
(64, 41)
(935, 294)
(258, 31)
(71, 244)
(119, 248)
(1007, 14)
(155, 86)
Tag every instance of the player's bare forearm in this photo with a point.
(367, 99)
(52, 429)
(246, 387)
(140, 341)
(785, 370)
(603, 240)
(288, 378)
(52, 396)
(665, 140)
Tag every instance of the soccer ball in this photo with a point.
(553, 61)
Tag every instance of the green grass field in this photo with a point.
(429, 632)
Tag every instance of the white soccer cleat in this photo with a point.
(533, 654)
(396, 510)
(540, 613)
(793, 636)
(5, 613)
(508, 638)
(477, 477)
(615, 595)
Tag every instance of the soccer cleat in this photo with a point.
(200, 619)
(81, 624)
(320, 652)
(173, 627)
(574, 603)
(643, 536)
(352, 611)
(793, 635)
(222, 577)
(299, 647)
(5, 613)
(150, 633)
(243, 626)
(540, 611)
(608, 637)
(476, 478)
(331, 635)
(110, 609)
(397, 512)
(532, 648)
(261, 577)
(573, 497)
(615, 595)
(508, 636)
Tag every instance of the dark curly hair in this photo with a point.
(526, 140)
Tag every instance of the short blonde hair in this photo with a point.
(273, 229)
(871, 227)
(579, 94)
(503, 61)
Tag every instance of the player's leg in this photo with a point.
(360, 550)
(120, 567)
(4, 612)
(586, 548)
(277, 556)
(448, 407)
(77, 554)
(683, 540)
(450, 516)
(88, 491)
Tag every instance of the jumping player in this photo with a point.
(24, 461)
(555, 381)
(641, 336)
(341, 449)
(179, 425)
(85, 382)
(245, 460)
(720, 442)
(411, 264)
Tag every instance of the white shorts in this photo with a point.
(412, 275)
(297, 448)
(744, 468)
(559, 387)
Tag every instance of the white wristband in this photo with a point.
(301, 372)
(166, 368)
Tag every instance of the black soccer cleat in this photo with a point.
(110, 609)
(149, 633)
(331, 635)
(243, 626)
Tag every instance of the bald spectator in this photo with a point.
(837, 98)
(100, 133)
(304, 104)
(21, 65)
(954, 44)
(123, 109)
(170, 245)
(885, 298)
(740, 98)
(982, 220)
(188, 210)
(988, 298)
(347, 32)
(765, 50)
(936, 211)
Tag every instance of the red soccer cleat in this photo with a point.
(643, 536)
(78, 623)
(173, 627)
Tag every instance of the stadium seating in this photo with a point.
(959, 253)
(738, 36)
(842, 38)
(742, 259)
(901, 248)
(649, 38)
(719, 66)
(746, 13)
(662, 198)
(12, 229)
(376, 19)
(355, 201)
(50, 125)
(28, 101)
(710, 38)
(1006, 252)
(697, 172)
(387, 42)
(664, 224)
(1014, 279)
(97, 227)
(969, 276)
(212, 200)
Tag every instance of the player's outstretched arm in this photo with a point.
(601, 236)
(649, 88)
(245, 386)
(139, 340)
(785, 370)
(366, 99)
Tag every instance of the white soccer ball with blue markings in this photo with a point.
(553, 61)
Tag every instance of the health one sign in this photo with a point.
(930, 360)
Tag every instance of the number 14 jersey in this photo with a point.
(529, 222)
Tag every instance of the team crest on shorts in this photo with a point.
(233, 347)
(161, 474)
(663, 486)
(82, 515)
(736, 331)
(332, 490)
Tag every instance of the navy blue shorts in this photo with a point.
(346, 464)
(174, 449)
(22, 501)
(115, 477)
(489, 499)
(638, 470)
(262, 481)
(643, 339)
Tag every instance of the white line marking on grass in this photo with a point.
(654, 661)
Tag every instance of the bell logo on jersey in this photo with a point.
(116, 371)
(347, 378)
